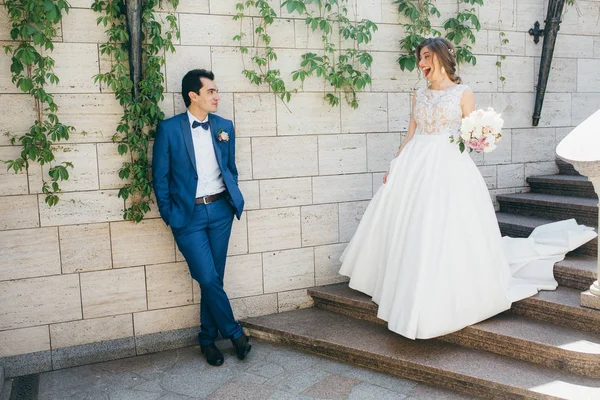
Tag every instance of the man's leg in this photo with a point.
(220, 215)
(216, 311)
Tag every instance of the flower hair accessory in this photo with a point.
(222, 136)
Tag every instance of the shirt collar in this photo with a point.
(191, 118)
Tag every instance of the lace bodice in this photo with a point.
(438, 112)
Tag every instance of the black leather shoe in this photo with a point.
(242, 346)
(213, 354)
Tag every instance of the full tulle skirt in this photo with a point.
(428, 249)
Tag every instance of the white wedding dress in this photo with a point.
(428, 249)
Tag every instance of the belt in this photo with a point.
(210, 198)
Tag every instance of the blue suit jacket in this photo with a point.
(174, 167)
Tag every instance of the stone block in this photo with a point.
(519, 74)
(12, 182)
(494, 11)
(147, 242)
(83, 175)
(399, 110)
(6, 85)
(562, 78)
(194, 6)
(246, 307)
(238, 242)
(255, 114)
(96, 352)
(385, 38)
(82, 208)
(530, 145)
(511, 175)
(319, 224)
(481, 45)
(18, 212)
(350, 216)
(587, 79)
(39, 301)
(5, 25)
(377, 181)
(109, 164)
(288, 61)
(597, 47)
(516, 108)
(590, 300)
(556, 110)
(488, 172)
(324, 119)
(113, 292)
(337, 188)
(227, 7)
(184, 59)
(581, 19)
(23, 341)
(284, 157)
(561, 133)
(503, 152)
(75, 65)
(94, 330)
(22, 111)
(583, 105)
(80, 26)
(95, 117)
(244, 276)
(167, 105)
(85, 248)
(251, 194)
(281, 32)
(573, 47)
(166, 340)
(381, 149)
(229, 63)
(294, 300)
(285, 192)
(373, 105)
(327, 264)
(212, 30)
(386, 75)
(365, 9)
(275, 229)
(342, 154)
(288, 270)
(168, 285)
(527, 12)
(167, 319)
(307, 39)
(483, 77)
(389, 12)
(243, 158)
(541, 168)
(29, 253)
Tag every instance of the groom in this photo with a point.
(196, 186)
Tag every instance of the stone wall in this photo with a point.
(78, 284)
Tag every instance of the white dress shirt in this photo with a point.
(210, 180)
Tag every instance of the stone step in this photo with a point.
(566, 168)
(515, 225)
(562, 307)
(511, 335)
(473, 372)
(576, 271)
(584, 210)
(563, 185)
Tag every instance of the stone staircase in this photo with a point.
(545, 347)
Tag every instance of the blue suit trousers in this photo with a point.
(204, 242)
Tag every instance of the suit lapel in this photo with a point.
(214, 133)
(187, 137)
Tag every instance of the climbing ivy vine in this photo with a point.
(140, 113)
(33, 26)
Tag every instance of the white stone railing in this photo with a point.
(581, 148)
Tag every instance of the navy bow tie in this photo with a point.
(196, 124)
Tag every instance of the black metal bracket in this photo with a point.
(536, 32)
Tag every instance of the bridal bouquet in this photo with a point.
(480, 131)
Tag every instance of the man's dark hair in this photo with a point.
(191, 83)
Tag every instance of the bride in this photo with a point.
(428, 248)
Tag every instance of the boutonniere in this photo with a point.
(222, 136)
